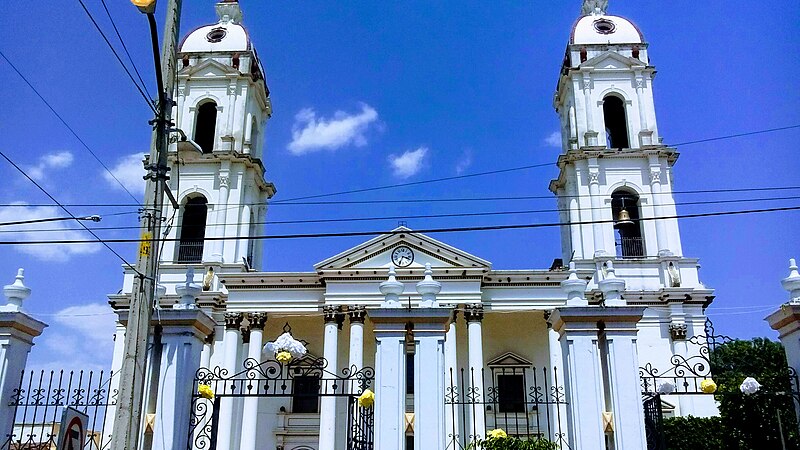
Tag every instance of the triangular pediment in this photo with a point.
(612, 60)
(510, 359)
(209, 68)
(377, 253)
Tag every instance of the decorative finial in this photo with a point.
(792, 282)
(16, 293)
(391, 289)
(612, 287)
(575, 288)
(428, 288)
(596, 7)
(188, 291)
(229, 11)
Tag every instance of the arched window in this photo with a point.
(627, 226)
(193, 230)
(616, 122)
(205, 126)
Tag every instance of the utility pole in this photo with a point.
(127, 422)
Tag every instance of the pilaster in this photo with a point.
(182, 336)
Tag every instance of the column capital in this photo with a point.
(333, 314)
(473, 312)
(357, 313)
(257, 320)
(233, 320)
(678, 331)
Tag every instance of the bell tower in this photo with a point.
(615, 174)
(221, 109)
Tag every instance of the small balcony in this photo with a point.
(630, 247)
(190, 251)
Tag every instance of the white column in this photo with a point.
(558, 411)
(597, 205)
(786, 321)
(17, 331)
(575, 216)
(582, 377)
(390, 382)
(244, 228)
(330, 351)
(250, 408)
(221, 209)
(452, 410)
(208, 348)
(477, 427)
(429, 379)
(231, 340)
(356, 358)
(183, 331)
(662, 237)
(113, 386)
(626, 395)
(590, 137)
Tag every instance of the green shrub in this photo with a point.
(694, 433)
(513, 443)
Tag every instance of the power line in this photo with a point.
(427, 200)
(414, 183)
(514, 169)
(98, 239)
(64, 122)
(147, 99)
(421, 231)
(125, 48)
(405, 217)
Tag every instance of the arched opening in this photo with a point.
(193, 230)
(616, 122)
(205, 126)
(627, 225)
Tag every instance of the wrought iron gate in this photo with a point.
(685, 376)
(305, 380)
(653, 423)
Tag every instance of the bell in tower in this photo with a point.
(222, 104)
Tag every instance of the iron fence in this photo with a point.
(42, 397)
(524, 401)
(190, 250)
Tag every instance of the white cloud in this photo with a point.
(19, 211)
(464, 162)
(554, 139)
(80, 337)
(409, 163)
(130, 172)
(49, 161)
(311, 133)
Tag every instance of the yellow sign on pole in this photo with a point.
(145, 243)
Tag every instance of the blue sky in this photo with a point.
(431, 89)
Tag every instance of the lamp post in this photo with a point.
(127, 423)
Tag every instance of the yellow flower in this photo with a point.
(708, 386)
(366, 399)
(283, 357)
(497, 433)
(205, 391)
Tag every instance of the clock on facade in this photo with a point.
(402, 256)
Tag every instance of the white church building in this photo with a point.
(450, 346)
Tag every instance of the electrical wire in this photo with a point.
(125, 48)
(405, 217)
(429, 200)
(71, 130)
(98, 239)
(514, 169)
(420, 231)
(147, 99)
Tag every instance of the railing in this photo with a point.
(525, 402)
(190, 251)
(41, 398)
(630, 247)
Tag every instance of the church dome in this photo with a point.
(605, 29)
(227, 35)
